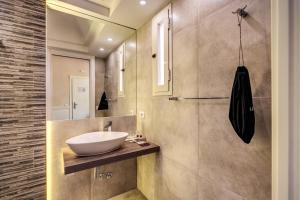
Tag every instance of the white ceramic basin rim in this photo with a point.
(95, 143)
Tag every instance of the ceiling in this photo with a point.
(74, 33)
(85, 25)
(132, 14)
(126, 12)
(106, 3)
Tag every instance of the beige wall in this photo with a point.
(62, 69)
(122, 105)
(201, 156)
(77, 186)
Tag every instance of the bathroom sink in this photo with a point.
(95, 143)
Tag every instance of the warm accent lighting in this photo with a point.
(143, 2)
(54, 162)
(109, 39)
(101, 49)
(49, 169)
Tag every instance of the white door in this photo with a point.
(80, 97)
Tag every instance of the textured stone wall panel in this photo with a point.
(22, 99)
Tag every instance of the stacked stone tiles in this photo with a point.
(22, 99)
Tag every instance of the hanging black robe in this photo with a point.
(241, 112)
(103, 105)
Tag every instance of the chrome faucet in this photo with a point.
(108, 126)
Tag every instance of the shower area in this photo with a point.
(202, 157)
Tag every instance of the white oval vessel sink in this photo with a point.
(95, 143)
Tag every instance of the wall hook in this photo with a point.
(241, 12)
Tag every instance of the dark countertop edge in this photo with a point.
(97, 163)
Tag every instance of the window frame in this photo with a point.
(121, 70)
(162, 18)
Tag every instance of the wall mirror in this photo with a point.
(91, 65)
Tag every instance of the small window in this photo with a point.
(121, 68)
(162, 52)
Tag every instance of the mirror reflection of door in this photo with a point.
(79, 97)
(70, 88)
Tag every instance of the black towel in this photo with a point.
(103, 105)
(241, 112)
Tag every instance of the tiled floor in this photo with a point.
(130, 195)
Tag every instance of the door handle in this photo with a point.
(74, 105)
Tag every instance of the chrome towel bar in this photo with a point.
(207, 98)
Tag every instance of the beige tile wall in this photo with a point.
(125, 105)
(201, 157)
(99, 83)
(77, 186)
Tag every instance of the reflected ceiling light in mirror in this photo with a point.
(143, 2)
(109, 39)
(132, 44)
(175, 17)
(101, 49)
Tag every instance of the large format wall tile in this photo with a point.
(185, 60)
(75, 186)
(81, 185)
(177, 138)
(218, 49)
(124, 179)
(201, 156)
(184, 14)
(224, 160)
(174, 181)
(208, 190)
(232, 164)
(171, 125)
(22, 100)
(131, 195)
(124, 105)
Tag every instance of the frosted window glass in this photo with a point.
(121, 75)
(161, 56)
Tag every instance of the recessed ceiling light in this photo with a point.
(101, 49)
(109, 39)
(143, 2)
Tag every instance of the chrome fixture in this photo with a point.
(108, 126)
(206, 98)
(241, 12)
(98, 174)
